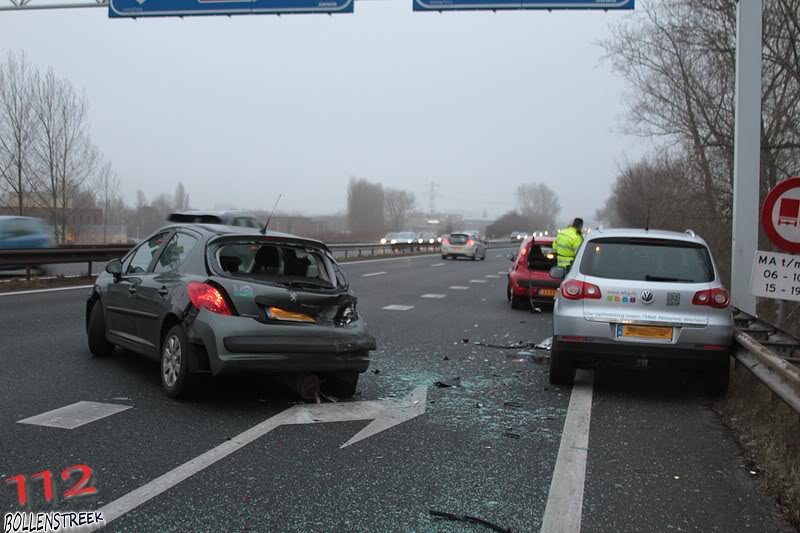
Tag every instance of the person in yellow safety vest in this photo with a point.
(567, 243)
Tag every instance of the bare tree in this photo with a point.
(365, 208)
(398, 206)
(108, 194)
(181, 197)
(17, 128)
(66, 158)
(538, 203)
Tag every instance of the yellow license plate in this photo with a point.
(661, 333)
(547, 292)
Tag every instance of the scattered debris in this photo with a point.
(512, 404)
(376, 371)
(468, 518)
(453, 382)
(516, 346)
(122, 399)
(677, 477)
(536, 310)
(479, 405)
(446, 358)
(524, 354)
(511, 434)
(331, 399)
(546, 344)
(465, 341)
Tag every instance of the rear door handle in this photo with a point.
(163, 291)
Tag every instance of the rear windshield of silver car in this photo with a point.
(459, 238)
(278, 263)
(648, 260)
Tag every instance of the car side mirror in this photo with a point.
(511, 257)
(558, 272)
(114, 268)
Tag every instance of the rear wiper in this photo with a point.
(659, 278)
(307, 284)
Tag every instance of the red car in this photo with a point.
(529, 277)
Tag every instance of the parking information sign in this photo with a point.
(780, 215)
(776, 276)
(465, 5)
(182, 8)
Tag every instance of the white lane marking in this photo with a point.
(565, 502)
(398, 307)
(372, 274)
(57, 289)
(75, 415)
(458, 288)
(477, 281)
(503, 273)
(436, 296)
(438, 265)
(384, 414)
(492, 276)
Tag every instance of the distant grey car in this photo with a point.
(213, 299)
(241, 219)
(643, 298)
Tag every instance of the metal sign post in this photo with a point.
(747, 151)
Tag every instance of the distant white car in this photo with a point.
(463, 245)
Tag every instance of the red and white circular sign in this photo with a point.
(780, 215)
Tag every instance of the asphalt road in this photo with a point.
(657, 458)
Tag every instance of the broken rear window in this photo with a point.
(277, 263)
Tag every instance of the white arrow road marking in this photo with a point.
(384, 414)
(398, 307)
(565, 502)
(373, 274)
(75, 415)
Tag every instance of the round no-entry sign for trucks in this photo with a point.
(780, 215)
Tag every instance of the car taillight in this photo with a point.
(205, 296)
(717, 298)
(445, 241)
(579, 290)
(470, 242)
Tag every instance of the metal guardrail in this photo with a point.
(771, 355)
(31, 258)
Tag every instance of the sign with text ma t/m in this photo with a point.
(187, 8)
(466, 5)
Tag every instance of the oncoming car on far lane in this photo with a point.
(217, 299)
(463, 245)
(642, 298)
(529, 277)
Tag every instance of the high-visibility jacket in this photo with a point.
(566, 245)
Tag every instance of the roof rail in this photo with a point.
(690, 233)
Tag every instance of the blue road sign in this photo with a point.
(185, 8)
(466, 5)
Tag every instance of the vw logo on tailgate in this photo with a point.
(648, 296)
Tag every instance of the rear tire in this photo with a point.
(176, 379)
(444, 257)
(561, 370)
(341, 384)
(516, 302)
(96, 332)
(718, 376)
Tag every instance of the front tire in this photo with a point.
(176, 379)
(561, 370)
(96, 332)
(444, 257)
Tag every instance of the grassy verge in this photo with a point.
(768, 432)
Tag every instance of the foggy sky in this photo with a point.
(241, 109)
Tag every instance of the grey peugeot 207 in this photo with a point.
(213, 299)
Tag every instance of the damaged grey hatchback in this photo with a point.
(212, 299)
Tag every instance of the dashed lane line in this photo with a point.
(75, 415)
(372, 274)
(458, 287)
(477, 281)
(398, 307)
(434, 296)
